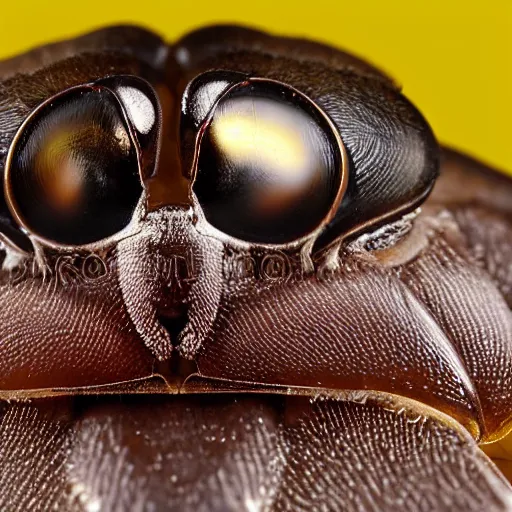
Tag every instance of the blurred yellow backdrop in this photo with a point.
(453, 57)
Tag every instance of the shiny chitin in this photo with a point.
(239, 273)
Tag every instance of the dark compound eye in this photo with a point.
(74, 171)
(270, 166)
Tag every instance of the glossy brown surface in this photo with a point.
(229, 453)
(90, 341)
(411, 313)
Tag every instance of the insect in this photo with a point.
(239, 273)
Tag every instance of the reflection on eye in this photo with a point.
(252, 132)
(60, 164)
(139, 107)
(269, 167)
(205, 97)
(271, 137)
(60, 174)
(74, 175)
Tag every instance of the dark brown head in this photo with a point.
(242, 208)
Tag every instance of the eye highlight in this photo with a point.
(270, 168)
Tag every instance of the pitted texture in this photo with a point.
(387, 463)
(224, 454)
(33, 452)
(361, 326)
(489, 239)
(469, 308)
(57, 333)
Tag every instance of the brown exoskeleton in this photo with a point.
(239, 273)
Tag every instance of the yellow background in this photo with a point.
(453, 57)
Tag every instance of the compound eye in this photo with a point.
(270, 164)
(73, 172)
